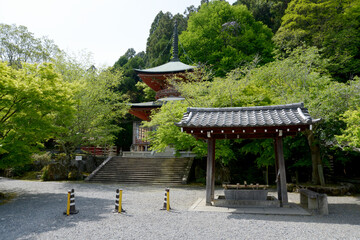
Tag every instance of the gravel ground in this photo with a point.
(37, 213)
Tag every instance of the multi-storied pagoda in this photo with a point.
(156, 79)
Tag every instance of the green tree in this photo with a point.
(18, 45)
(225, 37)
(268, 12)
(159, 42)
(349, 138)
(97, 105)
(302, 77)
(31, 99)
(330, 25)
(127, 84)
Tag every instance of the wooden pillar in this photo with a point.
(277, 173)
(279, 151)
(210, 170)
(213, 173)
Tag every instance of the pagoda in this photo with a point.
(156, 79)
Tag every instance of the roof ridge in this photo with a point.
(229, 109)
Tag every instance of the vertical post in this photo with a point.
(120, 201)
(135, 125)
(213, 175)
(282, 172)
(68, 203)
(277, 173)
(210, 169)
(167, 199)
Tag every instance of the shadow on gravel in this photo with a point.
(338, 214)
(38, 213)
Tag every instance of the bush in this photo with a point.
(41, 160)
(74, 174)
(18, 171)
(32, 175)
(54, 172)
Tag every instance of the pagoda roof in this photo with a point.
(143, 110)
(145, 104)
(170, 67)
(154, 104)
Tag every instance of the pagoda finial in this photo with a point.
(175, 44)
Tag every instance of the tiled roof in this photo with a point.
(170, 67)
(279, 115)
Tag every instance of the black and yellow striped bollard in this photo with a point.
(166, 205)
(70, 208)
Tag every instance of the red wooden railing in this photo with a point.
(97, 151)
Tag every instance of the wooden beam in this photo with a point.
(261, 132)
(280, 156)
(210, 169)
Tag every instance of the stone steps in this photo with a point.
(143, 170)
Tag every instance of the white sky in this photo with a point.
(106, 28)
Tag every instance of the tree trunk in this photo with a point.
(317, 176)
(69, 150)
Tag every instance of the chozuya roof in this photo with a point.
(278, 115)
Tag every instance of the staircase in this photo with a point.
(143, 170)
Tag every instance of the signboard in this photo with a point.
(78, 158)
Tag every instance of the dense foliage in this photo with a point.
(97, 105)
(269, 12)
(225, 37)
(330, 25)
(31, 100)
(69, 100)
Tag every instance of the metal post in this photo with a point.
(118, 201)
(168, 199)
(68, 203)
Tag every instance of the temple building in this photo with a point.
(156, 79)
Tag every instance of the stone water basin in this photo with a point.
(246, 194)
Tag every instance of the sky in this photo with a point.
(106, 28)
